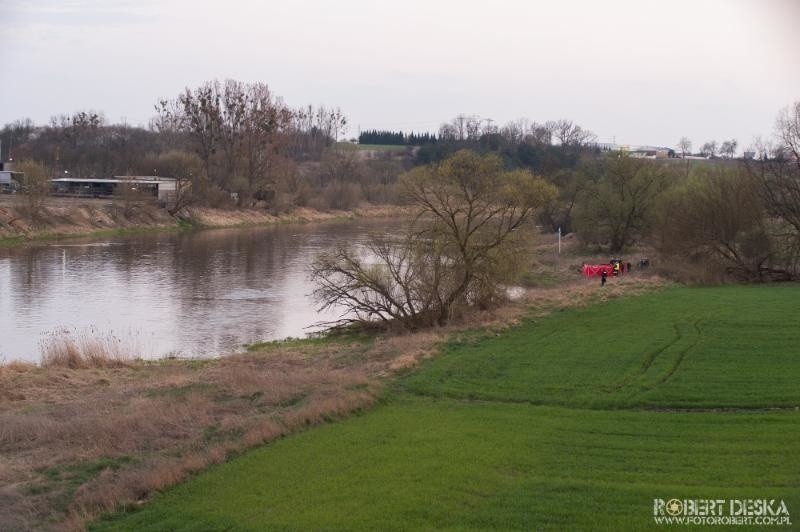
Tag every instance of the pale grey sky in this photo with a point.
(644, 72)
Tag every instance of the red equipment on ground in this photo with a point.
(596, 270)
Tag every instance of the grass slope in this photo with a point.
(557, 424)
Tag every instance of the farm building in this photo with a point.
(163, 188)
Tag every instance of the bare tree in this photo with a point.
(540, 134)
(241, 132)
(392, 283)
(684, 146)
(169, 122)
(232, 117)
(728, 148)
(314, 129)
(457, 251)
(202, 119)
(787, 131)
(709, 149)
(514, 132)
(570, 134)
(448, 133)
(263, 137)
(14, 134)
(685, 149)
(778, 170)
(35, 187)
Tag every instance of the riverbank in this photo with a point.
(78, 217)
(100, 436)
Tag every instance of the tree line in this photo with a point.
(395, 138)
(240, 144)
(543, 147)
(711, 149)
(237, 143)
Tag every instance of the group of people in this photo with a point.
(614, 268)
(618, 267)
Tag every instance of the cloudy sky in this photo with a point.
(636, 71)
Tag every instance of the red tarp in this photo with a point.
(595, 270)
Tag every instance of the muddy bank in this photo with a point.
(207, 217)
(66, 217)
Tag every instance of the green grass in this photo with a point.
(67, 479)
(343, 336)
(572, 422)
(685, 348)
(380, 147)
(14, 241)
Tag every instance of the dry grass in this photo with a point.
(91, 432)
(85, 434)
(586, 292)
(66, 349)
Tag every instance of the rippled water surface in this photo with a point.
(198, 293)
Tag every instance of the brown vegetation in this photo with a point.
(35, 186)
(65, 349)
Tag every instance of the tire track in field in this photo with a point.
(647, 362)
(640, 378)
(682, 355)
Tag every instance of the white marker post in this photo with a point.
(559, 240)
(558, 256)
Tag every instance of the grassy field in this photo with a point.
(572, 422)
(379, 147)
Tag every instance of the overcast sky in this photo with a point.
(637, 71)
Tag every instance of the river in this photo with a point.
(189, 294)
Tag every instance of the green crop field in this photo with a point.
(575, 421)
(380, 147)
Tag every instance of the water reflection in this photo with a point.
(197, 294)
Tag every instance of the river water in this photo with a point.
(192, 294)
